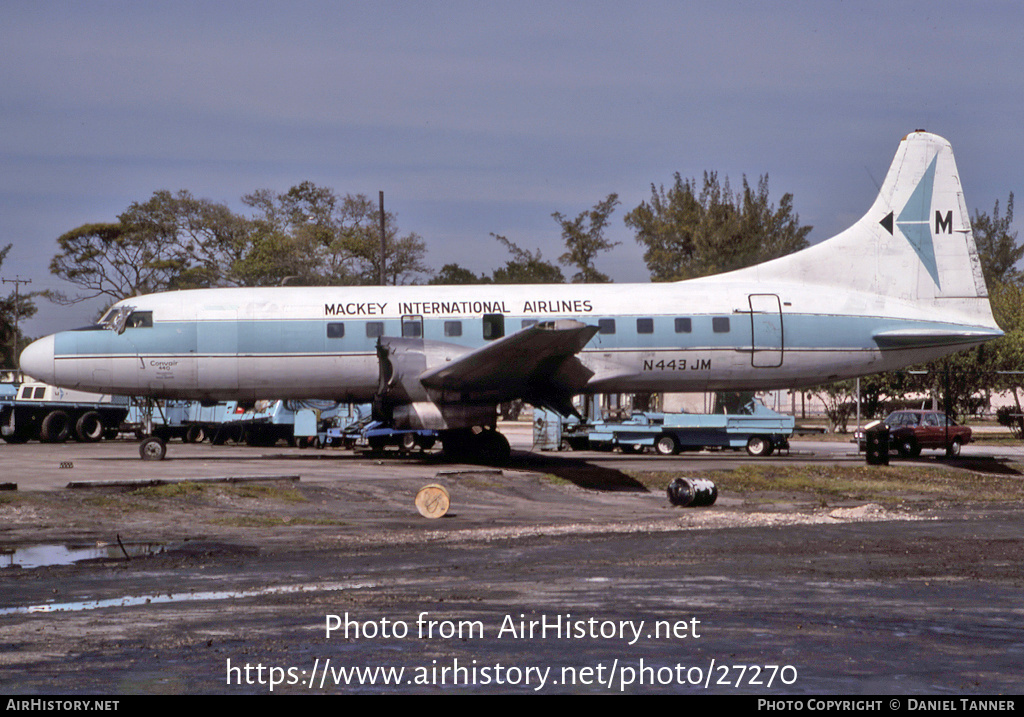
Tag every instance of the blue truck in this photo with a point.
(757, 429)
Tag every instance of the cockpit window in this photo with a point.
(118, 318)
(107, 317)
(139, 320)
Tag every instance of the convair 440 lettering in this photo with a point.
(901, 286)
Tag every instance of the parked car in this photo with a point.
(911, 431)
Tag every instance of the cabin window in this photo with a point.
(374, 329)
(453, 328)
(527, 323)
(335, 330)
(606, 326)
(720, 324)
(139, 320)
(645, 326)
(494, 326)
(684, 325)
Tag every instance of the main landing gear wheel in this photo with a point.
(487, 446)
(153, 449)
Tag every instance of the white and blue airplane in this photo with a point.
(901, 286)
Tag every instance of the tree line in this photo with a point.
(312, 235)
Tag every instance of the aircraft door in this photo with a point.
(766, 330)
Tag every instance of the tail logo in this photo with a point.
(914, 221)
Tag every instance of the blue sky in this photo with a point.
(480, 117)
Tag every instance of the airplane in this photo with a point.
(901, 286)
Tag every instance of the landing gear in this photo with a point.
(153, 449)
(486, 446)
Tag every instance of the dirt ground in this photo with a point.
(554, 575)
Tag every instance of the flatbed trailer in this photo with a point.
(760, 431)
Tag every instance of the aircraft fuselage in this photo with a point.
(320, 342)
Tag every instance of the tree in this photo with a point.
(171, 241)
(14, 307)
(689, 232)
(584, 238)
(998, 249)
(525, 267)
(311, 235)
(455, 274)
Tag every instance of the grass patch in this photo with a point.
(886, 484)
(192, 489)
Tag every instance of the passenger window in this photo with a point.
(335, 330)
(684, 325)
(645, 326)
(494, 326)
(374, 329)
(720, 324)
(453, 328)
(139, 320)
(40, 392)
(606, 326)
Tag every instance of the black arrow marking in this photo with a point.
(887, 222)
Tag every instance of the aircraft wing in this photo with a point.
(537, 364)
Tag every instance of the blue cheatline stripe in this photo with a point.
(309, 337)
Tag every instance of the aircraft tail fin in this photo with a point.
(915, 243)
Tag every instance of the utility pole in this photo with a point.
(17, 281)
(383, 239)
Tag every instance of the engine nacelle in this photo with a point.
(402, 401)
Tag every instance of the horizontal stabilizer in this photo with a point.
(921, 338)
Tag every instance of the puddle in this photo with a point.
(37, 556)
(131, 600)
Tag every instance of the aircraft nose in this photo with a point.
(37, 360)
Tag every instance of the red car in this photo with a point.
(910, 431)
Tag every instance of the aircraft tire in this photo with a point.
(55, 428)
(89, 427)
(492, 448)
(152, 449)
